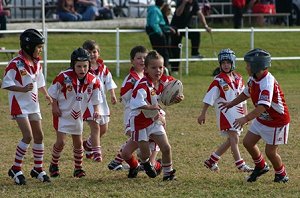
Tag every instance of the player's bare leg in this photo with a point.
(127, 155)
(223, 147)
(25, 128)
(165, 147)
(103, 129)
(78, 156)
(145, 158)
(37, 132)
(250, 143)
(95, 142)
(273, 156)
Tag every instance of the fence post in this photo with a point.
(252, 38)
(45, 54)
(118, 52)
(186, 50)
(180, 68)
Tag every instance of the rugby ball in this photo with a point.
(171, 90)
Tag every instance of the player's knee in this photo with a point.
(27, 138)
(166, 149)
(60, 144)
(271, 152)
(38, 138)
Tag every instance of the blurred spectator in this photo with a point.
(166, 11)
(87, 8)
(261, 6)
(3, 14)
(157, 29)
(66, 11)
(284, 6)
(185, 9)
(238, 7)
(105, 10)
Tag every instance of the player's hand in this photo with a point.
(201, 119)
(96, 115)
(178, 99)
(173, 31)
(28, 87)
(55, 110)
(240, 122)
(208, 29)
(154, 107)
(113, 99)
(224, 105)
(50, 101)
(160, 118)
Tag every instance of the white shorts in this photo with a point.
(31, 116)
(225, 133)
(127, 128)
(271, 135)
(153, 146)
(144, 134)
(104, 119)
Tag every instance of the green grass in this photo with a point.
(191, 143)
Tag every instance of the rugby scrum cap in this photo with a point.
(29, 39)
(258, 59)
(227, 54)
(79, 54)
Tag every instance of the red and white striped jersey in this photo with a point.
(266, 91)
(73, 99)
(143, 94)
(20, 73)
(223, 89)
(106, 83)
(126, 91)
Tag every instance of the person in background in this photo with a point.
(284, 6)
(185, 10)
(4, 13)
(87, 8)
(261, 6)
(238, 8)
(104, 9)
(166, 11)
(157, 29)
(66, 11)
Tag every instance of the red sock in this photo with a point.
(157, 165)
(132, 162)
(20, 154)
(214, 158)
(259, 162)
(280, 171)
(38, 154)
(78, 156)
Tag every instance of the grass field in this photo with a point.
(191, 143)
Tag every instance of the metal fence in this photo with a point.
(184, 58)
